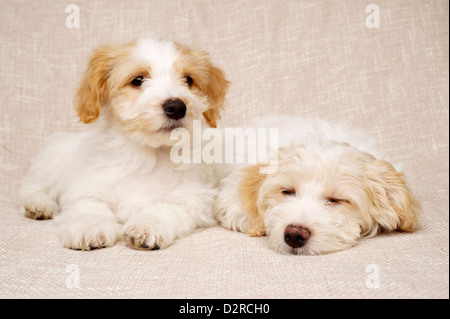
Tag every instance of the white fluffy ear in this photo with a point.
(391, 204)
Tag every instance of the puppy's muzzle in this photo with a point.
(296, 235)
(174, 109)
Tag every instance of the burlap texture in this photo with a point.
(316, 59)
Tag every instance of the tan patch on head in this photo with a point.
(93, 91)
(123, 94)
(248, 193)
(207, 79)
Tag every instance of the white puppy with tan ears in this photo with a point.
(331, 187)
(116, 178)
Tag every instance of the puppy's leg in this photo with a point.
(39, 188)
(35, 193)
(39, 205)
(158, 225)
(87, 225)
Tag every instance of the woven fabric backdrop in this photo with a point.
(311, 58)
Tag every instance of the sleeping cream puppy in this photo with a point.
(331, 187)
(116, 179)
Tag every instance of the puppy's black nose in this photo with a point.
(296, 235)
(174, 108)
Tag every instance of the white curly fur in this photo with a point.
(339, 189)
(116, 179)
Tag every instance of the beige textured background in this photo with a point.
(313, 58)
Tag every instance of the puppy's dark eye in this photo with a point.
(188, 80)
(288, 192)
(137, 81)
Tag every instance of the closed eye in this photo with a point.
(288, 192)
(332, 201)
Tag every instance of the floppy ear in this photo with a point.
(248, 192)
(216, 90)
(393, 206)
(209, 79)
(93, 90)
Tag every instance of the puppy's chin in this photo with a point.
(161, 138)
(171, 125)
(153, 138)
(153, 133)
(276, 242)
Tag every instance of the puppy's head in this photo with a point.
(149, 87)
(324, 197)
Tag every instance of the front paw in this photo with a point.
(141, 233)
(39, 207)
(88, 236)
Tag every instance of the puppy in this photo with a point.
(331, 187)
(116, 179)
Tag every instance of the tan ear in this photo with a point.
(248, 192)
(216, 90)
(393, 204)
(93, 90)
